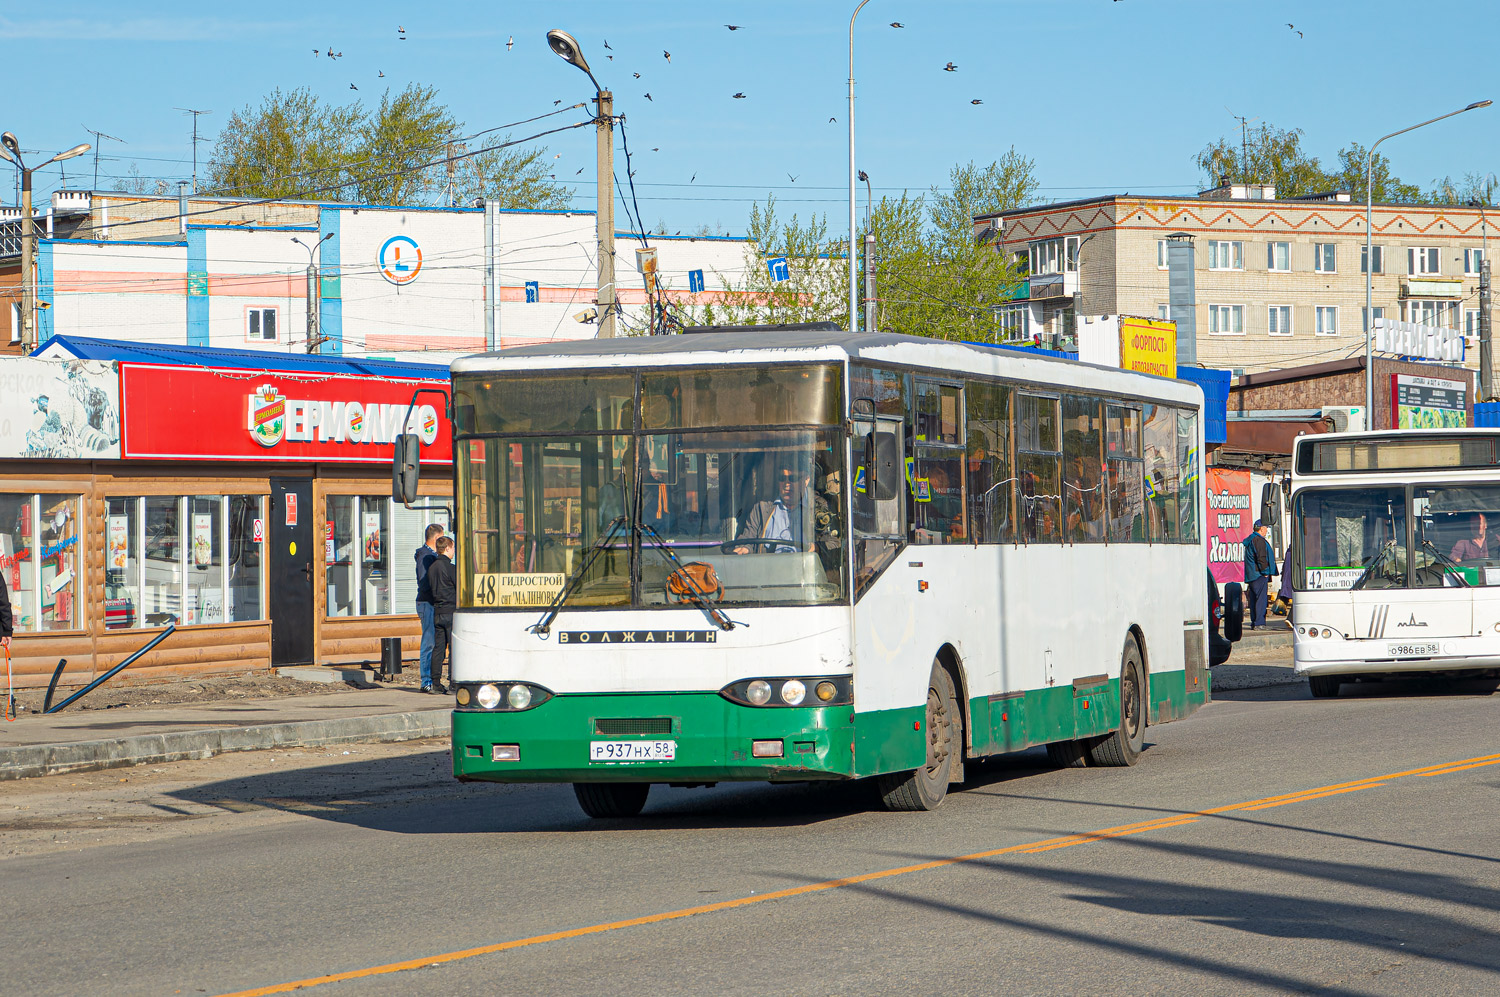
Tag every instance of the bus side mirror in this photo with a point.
(406, 468)
(885, 469)
(1268, 507)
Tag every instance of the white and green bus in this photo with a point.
(1395, 555)
(801, 555)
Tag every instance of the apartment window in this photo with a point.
(1471, 321)
(1473, 258)
(1054, 255)
(1279, 256)
(1015, 321)
(1327, 320)
(1164, 312)
(1226, 320)
(1279, 320)
(1325, 258)
(1364, 316)
(15, 323)
(1440, 313)
(1379, 258)
(1422, 261)
(1226, 256)
(1070, 254)
(1161, 254)
(260, 325)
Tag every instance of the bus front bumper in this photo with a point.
(712, 740)
(1321, 656)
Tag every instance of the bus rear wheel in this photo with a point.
(1124, 746)
(924, 788)
(1323, 686)
(611, 799)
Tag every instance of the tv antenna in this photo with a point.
(1244, 144)
(99, 136)
(196, 140)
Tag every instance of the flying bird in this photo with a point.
(558, 156)
(606, 44)
(734, 27)
(317, 52)
(380, 75)
(657, 149)
(692, 178)
(400, 29)
(636, 75)
(739, 96)
(353, 87)
(509, 42)
(580, 170)
(610, 58)
(334, 55)
(833, 121)
(648, 97)
(950, 68)
(792, 178)
(556, 102)
(666, 55)
(897, 24)
(976, 102)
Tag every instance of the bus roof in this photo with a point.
(832, 345)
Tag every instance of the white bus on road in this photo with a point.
(1395, 567)
(804, 555)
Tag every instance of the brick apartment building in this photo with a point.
(1279, 282)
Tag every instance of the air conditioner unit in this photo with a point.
(1345, 418)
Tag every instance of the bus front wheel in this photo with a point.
(925, 788)
(1323, 686)
(611, 799)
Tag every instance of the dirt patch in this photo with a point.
(120, 693)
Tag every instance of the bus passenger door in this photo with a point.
(879, 524)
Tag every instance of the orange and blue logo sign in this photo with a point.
(400, 259)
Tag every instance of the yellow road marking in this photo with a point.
(1030, 848)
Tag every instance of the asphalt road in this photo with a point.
(1350, 871)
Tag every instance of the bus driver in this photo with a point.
(785, 517)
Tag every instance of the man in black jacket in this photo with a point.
(1260, 566)
(442, 575)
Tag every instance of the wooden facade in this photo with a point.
(195, 650)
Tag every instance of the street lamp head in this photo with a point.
(77, 150)
(9, 140)
(566, 46)
(1478, 104)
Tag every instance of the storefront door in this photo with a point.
(290, 595)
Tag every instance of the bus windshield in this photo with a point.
(1357, 537)
(737, 472)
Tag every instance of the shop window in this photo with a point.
(41, 560)
(186, 560)
(370, 547)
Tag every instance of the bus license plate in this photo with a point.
(632, 751)
(1411, 650)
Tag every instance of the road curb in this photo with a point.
(29, 761)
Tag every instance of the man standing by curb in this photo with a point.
(1260, 565)
(424, 556)
(443, 578)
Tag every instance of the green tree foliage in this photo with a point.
(933, 278)
(1265, 155)
(296, 145)
(1384, 185)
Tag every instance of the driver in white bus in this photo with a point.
(783, 518)
(1475, 547)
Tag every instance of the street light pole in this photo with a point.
(314, 302)
(853, 280)
(12, 151)
(1370, 253)
(566, 47)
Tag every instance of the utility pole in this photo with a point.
(10, 149)
(314, 338)
(869, 282)
(1486, 346)
(194, 113)
(606, 212)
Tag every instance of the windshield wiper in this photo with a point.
(1371, 564)
(1447, 561)
(543, 626)
(716, 614)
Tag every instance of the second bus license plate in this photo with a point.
(1411, 650)
(632, 751)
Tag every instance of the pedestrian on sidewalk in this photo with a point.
(443, 577)
(1260, 567)
(425, 555)
(6, 622)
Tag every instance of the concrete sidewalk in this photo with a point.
(50, 744)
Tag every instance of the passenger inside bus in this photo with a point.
(1475, 546)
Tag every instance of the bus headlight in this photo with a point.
(488, 696)
(826, 690)
(519, 697)
(506, 697)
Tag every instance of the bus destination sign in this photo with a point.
(637, 636)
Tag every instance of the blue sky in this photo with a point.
(1105, 95)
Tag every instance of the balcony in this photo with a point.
(1054, 285)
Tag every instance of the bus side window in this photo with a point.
(1159, 448)
(1039, 469)
(1083, 483)
(878, 497)
(988, 458)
